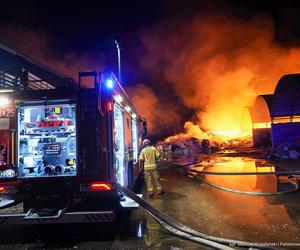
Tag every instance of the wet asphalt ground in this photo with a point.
(274, 220)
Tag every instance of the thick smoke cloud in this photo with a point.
(217, 64)
(38, 46)
(159, 112)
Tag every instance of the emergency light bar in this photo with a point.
(109, 84)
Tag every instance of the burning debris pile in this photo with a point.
(285, 151)
(195, 141)
(188, 146)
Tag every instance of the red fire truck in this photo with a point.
(63, 149)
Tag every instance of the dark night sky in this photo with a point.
(84, 26)
(81, 27)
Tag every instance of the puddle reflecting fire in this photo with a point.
(260, 182)
(250, 208)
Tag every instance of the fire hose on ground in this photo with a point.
(183, 231)
(290, 174)
(294, 184)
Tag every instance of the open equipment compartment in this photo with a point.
(47, 140)
(119, 144)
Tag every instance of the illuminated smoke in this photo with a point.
(159, 113)
(218, 65)
(36, 45)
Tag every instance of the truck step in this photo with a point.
(48, 213)
(68, 217)
(5, 203)
(129, 203)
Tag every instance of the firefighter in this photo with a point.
(149, 156)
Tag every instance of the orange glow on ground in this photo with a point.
(240, 182)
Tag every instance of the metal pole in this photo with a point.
(119, 59)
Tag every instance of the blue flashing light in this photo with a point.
(109, 84)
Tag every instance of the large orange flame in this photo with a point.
(218, 65)
(226, 138)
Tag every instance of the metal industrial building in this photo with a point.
(276, 118)
(261, 120)
(285, 111)
(16, 68)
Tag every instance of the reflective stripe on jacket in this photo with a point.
(149, 155)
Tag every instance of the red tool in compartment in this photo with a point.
(54, 123)
(67, 123)
(50, 123)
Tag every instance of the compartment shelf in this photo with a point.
(47, 130)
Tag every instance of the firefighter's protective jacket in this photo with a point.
(149, 155)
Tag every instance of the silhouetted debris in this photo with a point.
(188, 147)
(285, 151)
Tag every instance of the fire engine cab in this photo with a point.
(64, 147)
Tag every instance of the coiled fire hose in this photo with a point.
(183, 231)
(295, 185)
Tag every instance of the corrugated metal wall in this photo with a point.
(260, 114)
(286, 105)
(261, 137)
(285, 132)
(13, 63)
